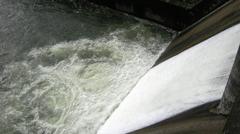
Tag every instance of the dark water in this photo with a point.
(63, 72)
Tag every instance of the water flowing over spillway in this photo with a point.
(192, 78)
(64, 73)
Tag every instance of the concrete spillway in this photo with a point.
(64, 71)
(192, 78)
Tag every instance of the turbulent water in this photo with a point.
(63, 72)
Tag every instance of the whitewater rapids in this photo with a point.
(63, 72)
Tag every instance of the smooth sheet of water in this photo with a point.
(64, 72)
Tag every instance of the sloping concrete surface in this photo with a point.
(194, 77)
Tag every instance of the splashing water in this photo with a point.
(72, 87)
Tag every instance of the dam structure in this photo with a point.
(119, 66)
(192, 78)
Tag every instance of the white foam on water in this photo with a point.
(64, 73)
(192, 78)
(72, 87)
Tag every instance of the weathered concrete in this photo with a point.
(230, 102)
(233, 122)
(223, 18)
(195, 121)
(232, 90)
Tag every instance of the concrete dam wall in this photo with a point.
(192, 78)
(128, 116)
(70, 70)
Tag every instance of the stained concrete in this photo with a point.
(230, 102)
(195, 121)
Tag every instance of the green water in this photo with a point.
(63, 72)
